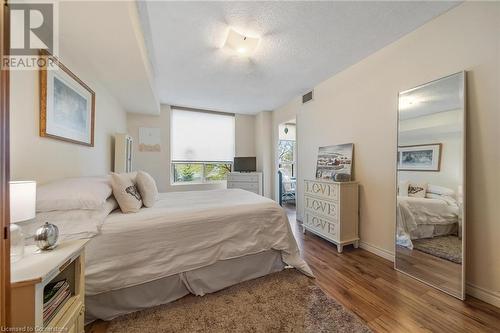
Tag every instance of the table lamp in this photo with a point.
(22, 208)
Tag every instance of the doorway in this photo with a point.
(287, 165)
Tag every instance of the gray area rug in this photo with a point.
(286, 301)
(445, 247)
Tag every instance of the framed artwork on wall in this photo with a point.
(149, 139)
(335, 162)
(67, 104)
(425, 157)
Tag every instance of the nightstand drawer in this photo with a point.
(72, 320)
(328, 209)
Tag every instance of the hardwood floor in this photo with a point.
(439, 272)
(388, 301)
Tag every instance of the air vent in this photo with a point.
(307, 97)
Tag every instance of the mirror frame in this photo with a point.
(462, 293)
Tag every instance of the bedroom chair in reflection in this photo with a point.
(22, 208)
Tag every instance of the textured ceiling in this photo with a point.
(303, 43)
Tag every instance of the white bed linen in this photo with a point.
(186, 231)
(72, 224)
(414, 213)
(201, 281)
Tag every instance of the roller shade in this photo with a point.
(202, 136)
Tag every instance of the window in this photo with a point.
(202, 146)
(287, 158)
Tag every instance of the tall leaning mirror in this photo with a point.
(430, 220)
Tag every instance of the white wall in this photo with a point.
(264, 150)
(290, 135)
(359, 105)
(245, 135)
(45, 159)
(158, 163)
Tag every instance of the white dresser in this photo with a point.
(331, 211)
(250, 181)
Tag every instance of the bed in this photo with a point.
(425, 218)
(189, 242)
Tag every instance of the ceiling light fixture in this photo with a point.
(243, 45)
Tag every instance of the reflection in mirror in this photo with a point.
(430, 177)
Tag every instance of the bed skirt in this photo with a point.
(201, 281)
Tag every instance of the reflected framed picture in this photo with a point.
(420, 157)
(67, 104)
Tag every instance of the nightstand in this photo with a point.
(31, 274)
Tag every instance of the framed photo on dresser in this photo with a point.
(335, 162)
(67, 104)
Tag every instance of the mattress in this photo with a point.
(185, 231)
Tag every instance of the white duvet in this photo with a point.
(413, 212)
(185, 231)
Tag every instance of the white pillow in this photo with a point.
(440, 190)
(403, 188)
(72, 224)
(449, 199)
(417, 190)
(73, 193)
(126, 193)
(147, 187)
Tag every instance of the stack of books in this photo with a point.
(55, 295)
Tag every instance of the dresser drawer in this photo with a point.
(318, 206)
(321, 225)
(252, 187)
(243, 177)
(328, 191)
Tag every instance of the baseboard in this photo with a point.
(488, 296)
(377, 250)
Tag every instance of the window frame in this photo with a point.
(292, 163)
(203, 163)
(203, 177)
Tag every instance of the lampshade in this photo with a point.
(22, 200)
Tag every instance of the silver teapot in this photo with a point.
(46, 236)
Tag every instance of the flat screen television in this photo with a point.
(245, 164)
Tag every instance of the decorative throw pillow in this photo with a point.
(126, 193)
(417, 190)
(147, 187)
(403, 188)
